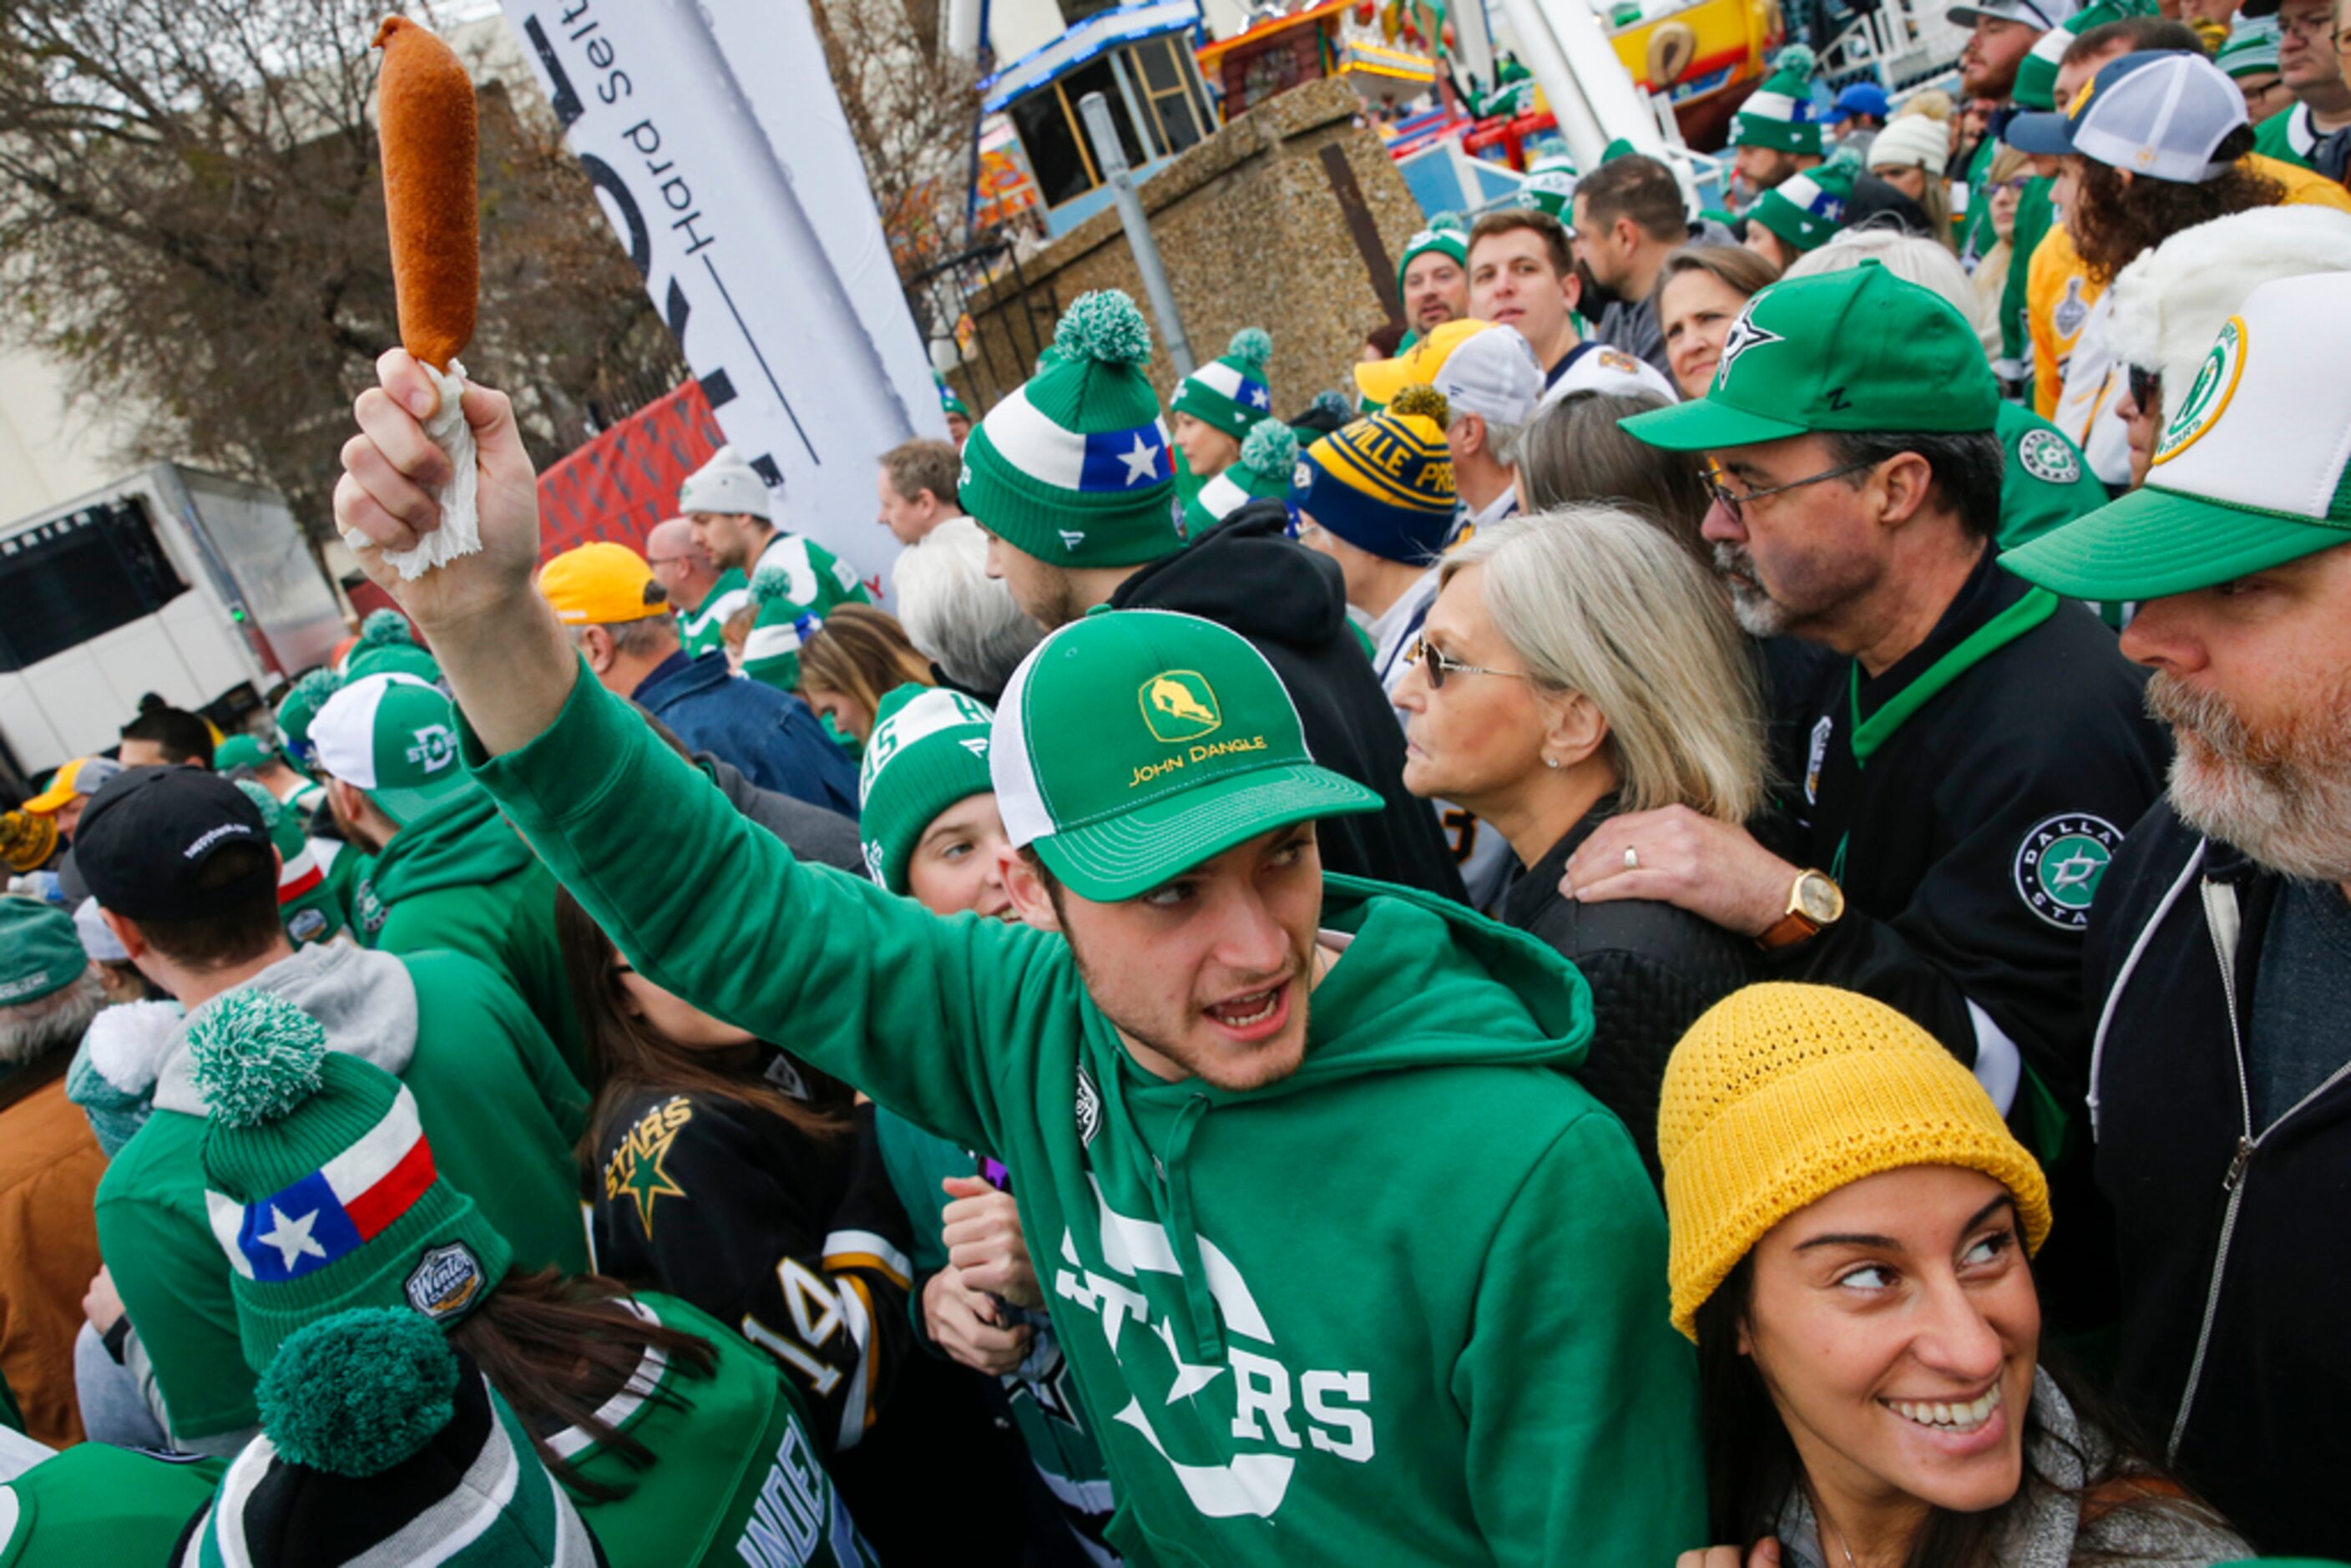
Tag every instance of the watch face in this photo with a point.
(1818, 898)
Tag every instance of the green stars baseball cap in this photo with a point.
(1132, 745)
(1859, 349)
(2253, 470)
(394, 739)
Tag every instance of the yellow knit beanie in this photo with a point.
(1779, 1094)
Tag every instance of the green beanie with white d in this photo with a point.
(1073, 467)
(319, 1183)
(1230, 393)
(1781, 113)
(927, 751)
(1443, 236)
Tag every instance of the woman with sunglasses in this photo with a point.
(1577, 663)
(1853, 1226)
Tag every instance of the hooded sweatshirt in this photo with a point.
(1293, 607)
(2057, 1528)
(458, 877)
(499, 1108)
(1406, 1304)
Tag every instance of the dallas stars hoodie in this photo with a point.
(1407, 1305)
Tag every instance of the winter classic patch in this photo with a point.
(2047, 457)
(445, 1281)
(2060, 864)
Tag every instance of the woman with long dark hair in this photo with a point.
(682, 1445)
(724, 1171)
(1851, 1233)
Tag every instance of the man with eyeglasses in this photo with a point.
(1978, 747)
(705, 596)
(2310, 64)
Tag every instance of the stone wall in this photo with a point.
(1290, 218)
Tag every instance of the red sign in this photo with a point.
(625, 480)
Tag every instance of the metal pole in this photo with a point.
(1111, 157)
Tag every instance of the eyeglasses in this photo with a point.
(662, 559)
(1436, 664)
(1734, 504)
(2146, 388)
(2318, 25)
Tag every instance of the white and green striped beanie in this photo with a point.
(1781, 113)
(1231, 393)
(1073, 467)
(928, 750)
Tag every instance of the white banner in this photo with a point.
(739, 195)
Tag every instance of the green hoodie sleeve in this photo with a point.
(864, 984)
(1581, 1399)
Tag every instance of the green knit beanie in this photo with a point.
(1805, 209)
(2036, 73)
(40, 952)
(1781, 113)
(319, 1182)
(928, 750)
(300, 705)
(1073, 466)
(1231, 393)
(1269, 453)
(1444, 236)
(1550, 186)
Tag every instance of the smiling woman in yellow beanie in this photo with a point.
(1851, 1227)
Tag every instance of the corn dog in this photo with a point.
(427, 129)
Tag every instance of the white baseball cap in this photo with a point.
(2253, 470)
(2159, 114)
(1493, 374)
(725, 485)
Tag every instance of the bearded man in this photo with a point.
(2219, 951)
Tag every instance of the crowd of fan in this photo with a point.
(1705, 922)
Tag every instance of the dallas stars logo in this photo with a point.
(1744, 335)
(647, 1180)
(2060, 864)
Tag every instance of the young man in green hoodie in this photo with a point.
(448, 872)
(1368, 1280)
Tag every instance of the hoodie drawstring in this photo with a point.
(1176, 1172)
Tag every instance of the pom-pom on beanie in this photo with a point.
(382, 1446)
(1073, 467)
(1781, 113)
(927, 751)
(1268, 454)
(319, 1182)
(1384, 484)
(1779, 1094)
(1230, 393)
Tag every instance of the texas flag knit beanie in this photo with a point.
(1073, 467)
(319, 1183)
(1230, 393)
(382, 1446)
(1781, 113)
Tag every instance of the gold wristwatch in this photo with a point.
(1813, 902)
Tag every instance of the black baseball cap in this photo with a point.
(147, 835)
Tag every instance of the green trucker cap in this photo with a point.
(1132, 745)
(2253, 470)
(1859, 349)
(394, 739)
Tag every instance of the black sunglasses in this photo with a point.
(2146, 388)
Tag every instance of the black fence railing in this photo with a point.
(1000, 352)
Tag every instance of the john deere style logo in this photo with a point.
(1179, 704)
(432, 748)
(2060, 864)
(2208, 394)
(2046, 456)
(1744, 335)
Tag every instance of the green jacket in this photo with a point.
(458, 877)
(2044, 482)
(736, 1478)
(2034, 213)
(2288, 136)
(702, 629)
(1407, 1304)
(814, 583)
(93, 1503)
(497, 1107)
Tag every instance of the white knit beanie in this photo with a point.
(1912, 142)
(725, 485)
